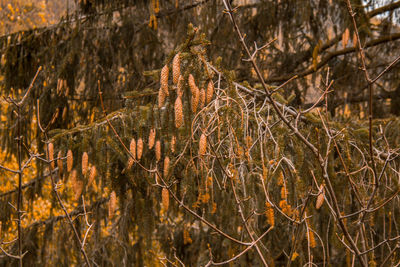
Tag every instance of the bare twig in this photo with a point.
(9, 170)
(12, 256)
(211, 262)
(22, 102)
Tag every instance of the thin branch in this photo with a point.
(13, 256)
(390, 255)
(21, 103)
(87, 223)
(9, 170)
(390, 66)
(242, 252)
(380, 244)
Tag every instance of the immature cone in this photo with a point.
(284, 192)
(265, 173)
(166, 167)
(158, 150)
(269, 212)
(66, 92)
(249, 141)
(176, 68)
(60, 164)
(161, 98)
(132, 148)
(202, 144)
(64, 83)
(178, 112)
(173, 143)
(139, 148)
(320, 198)
(311, 239)
(165, 198)
(59, 87)
(345, 37)
(130, 164)
(279, 181)
(210, 91)
(64, 114)
(92, 175)
(192, 84)
(179, 86)
(164, 79)
(195, 99)
(152, 137)
(202, 97)
(186, 237)
(85, 161)
(78, 188)
(77, 185)
(70, 160)
(73, 177)
(51, 155)
(112, 204)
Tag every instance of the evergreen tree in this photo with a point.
(153, 134)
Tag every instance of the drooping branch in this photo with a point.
(383, 9)
(81, 19)
(31, 183)
(332, 55)
(76, 212)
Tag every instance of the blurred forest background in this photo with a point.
(142, 133)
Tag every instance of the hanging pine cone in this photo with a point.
(178, 112)
(176, 68)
